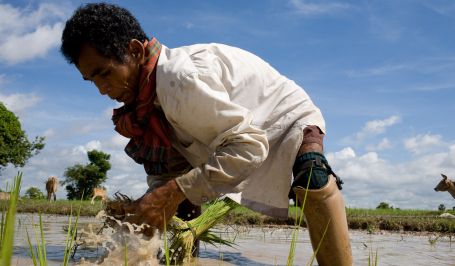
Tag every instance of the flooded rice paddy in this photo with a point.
(254, 246)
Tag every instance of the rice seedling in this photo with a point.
(371, 229)
(126, 254)
(298, 221)
(71, 235)
(433, 241)
(8, 224)
(38, 255)
(319, 244)
(166, 249)
(40, 249)
(373, 258)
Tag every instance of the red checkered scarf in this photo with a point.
(143, 123)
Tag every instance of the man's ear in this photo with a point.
(136, 51)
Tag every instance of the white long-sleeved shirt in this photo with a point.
(236, 120)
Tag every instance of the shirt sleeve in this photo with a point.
(201, 106)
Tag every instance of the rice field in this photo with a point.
(369, 220)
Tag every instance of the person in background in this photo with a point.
(209, 120)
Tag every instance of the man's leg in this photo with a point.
(324, 206)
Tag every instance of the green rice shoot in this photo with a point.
(8, 224)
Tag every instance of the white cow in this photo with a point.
(5, 195)
(99, 192)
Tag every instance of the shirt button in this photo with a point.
(204, 199)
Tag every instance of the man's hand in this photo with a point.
(155, 208)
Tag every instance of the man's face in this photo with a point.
(117, 80)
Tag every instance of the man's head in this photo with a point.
(107, 28)
(105, 43)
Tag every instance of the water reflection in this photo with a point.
(255, 246)
(55, 234)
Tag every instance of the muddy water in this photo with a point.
(255, 246)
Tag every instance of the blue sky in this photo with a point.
(381, 71)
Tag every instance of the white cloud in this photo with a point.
(29, 33)
(344, 154)
(91, 145)
(450, 161)
(373, 128)
(423, 143)
(356, 167)
(379, 126)
(16, 20)
(313, 9)
(382, 145)
(18, 49)
(19, 102)
(370, 179)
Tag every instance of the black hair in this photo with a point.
(107, 28)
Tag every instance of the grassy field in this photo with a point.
(60, 207)
(363, 219)
(401, 220)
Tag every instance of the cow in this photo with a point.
(446, 185)
(51, 187)
(5, 195)
(99, 192)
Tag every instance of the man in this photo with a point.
(207, 120)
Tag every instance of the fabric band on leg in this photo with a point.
(312, 167)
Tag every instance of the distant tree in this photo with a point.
(442, 207)
(384, 205)
(15, 148)
(82, 179)
(34, 193)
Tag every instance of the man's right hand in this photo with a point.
(155, 208)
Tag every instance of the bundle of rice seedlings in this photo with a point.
(183, 234)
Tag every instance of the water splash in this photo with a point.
(120, 240)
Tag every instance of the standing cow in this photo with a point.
(99, 192)
(51, 187)
(446, 185)
(5, 195)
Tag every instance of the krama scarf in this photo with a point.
(144, 123)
